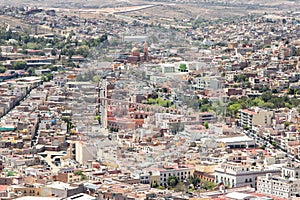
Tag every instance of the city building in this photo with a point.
(237, 142)
(181, 172)
(255, 116)
(207, 83)
(209, 117)
(239, 175)
(278, 186)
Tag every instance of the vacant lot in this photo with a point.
(190, 8)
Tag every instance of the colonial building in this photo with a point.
(239, 175)
(182, 172)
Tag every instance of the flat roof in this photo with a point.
(60, 185)
(238, 195)
(136, 36)
(30, 78)
(38, 198)
(235, 139)
(81, 196)
(79, 83)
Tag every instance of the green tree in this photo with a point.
(151, 101)
(31, 71)
(218, 107)
(71, 52)
(154, 184)
(246, 84)
(33, 45)
(240, 78)
(268, 105)
(234, 108)
(286, 124)
(154, 95)
(80, 173)
(266, 96)
(47, 77)
(96, 79)
(193, 102)
(262, 147)
(2, 69)
(194, 180)
(172, 181)
(207, 185)
(42, 54)
(206, 125)
(19, 65)
(84, 177)
(258, 102)
(10, 173)
(163, 103)
(98, 118)
(52, 68)
(83, 50)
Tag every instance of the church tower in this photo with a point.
(145, 57)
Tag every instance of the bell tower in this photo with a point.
(145, 57)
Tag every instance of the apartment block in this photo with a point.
(278, 186)
(255, 116)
